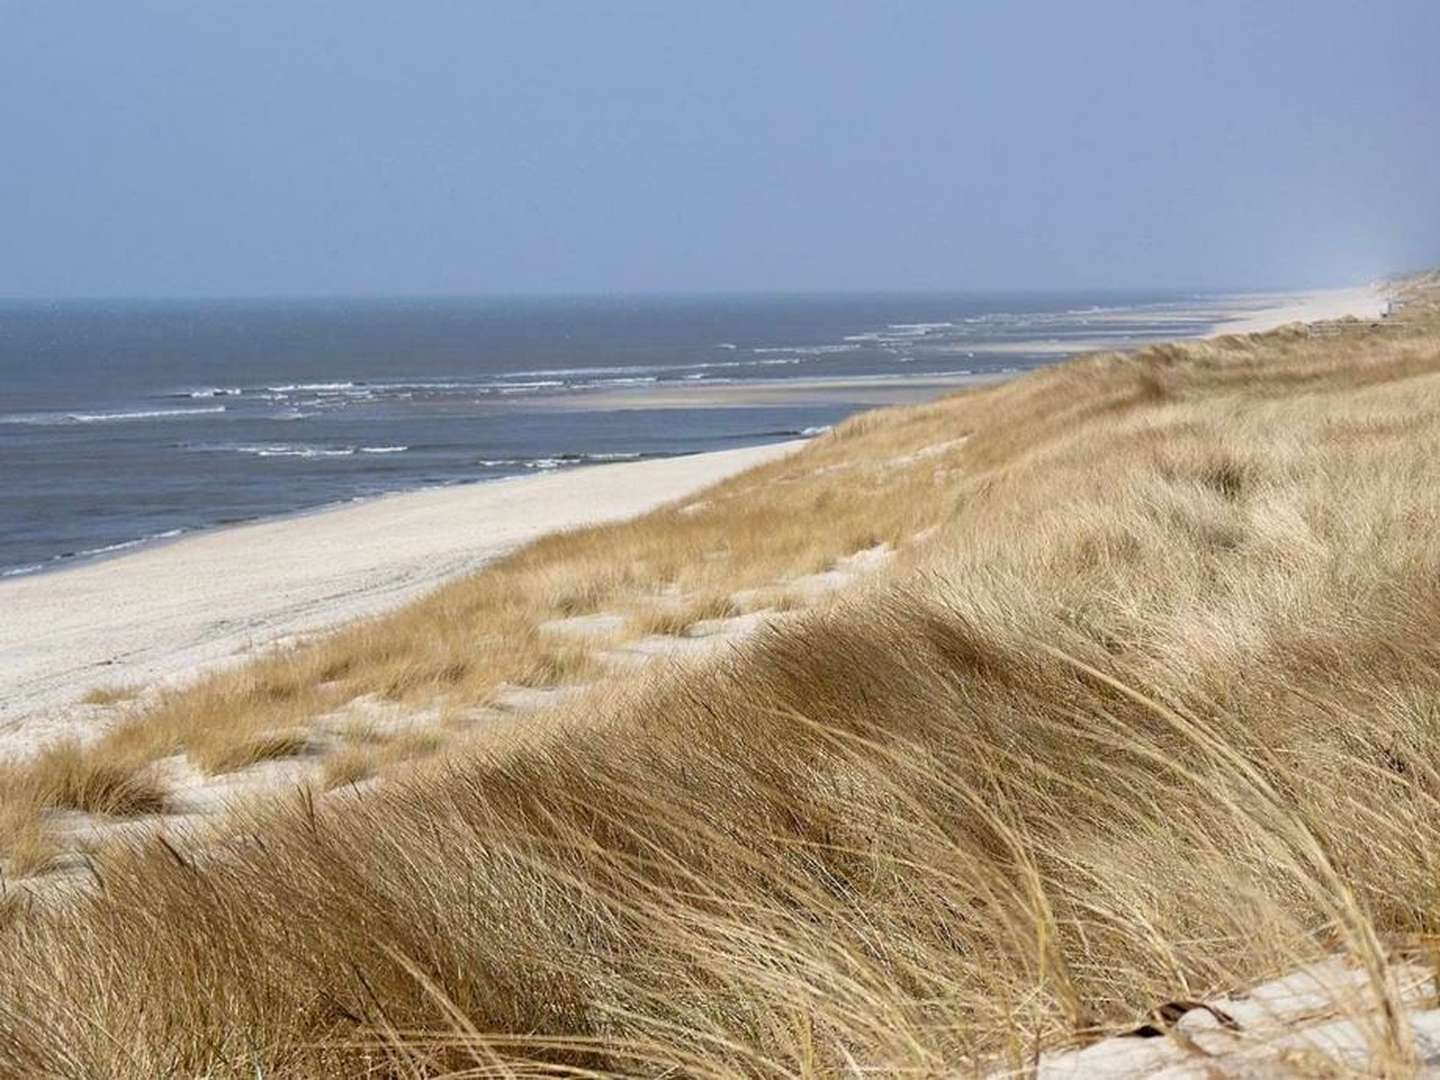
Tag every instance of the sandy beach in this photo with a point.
(168, 612)
(1279, 309)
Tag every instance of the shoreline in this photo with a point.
(1254, 313)
(169, 609)
(1317, 305)
(61, 564)
(167, 612)
(1247, 313)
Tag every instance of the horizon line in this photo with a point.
(677, 294)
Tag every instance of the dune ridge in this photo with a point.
(1139, 709)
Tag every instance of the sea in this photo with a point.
(124, 423)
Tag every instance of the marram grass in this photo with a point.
(1152, 710)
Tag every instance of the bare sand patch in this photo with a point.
(1364, 302)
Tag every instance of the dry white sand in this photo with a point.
(1322, 1020)
(1280, 309)
(167, 612)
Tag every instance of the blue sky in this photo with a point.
(183, 147)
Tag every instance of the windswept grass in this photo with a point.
(368, 753)
(1151, 712)
(459, 647)
(66, 777)
(678, 618)
(110, 695)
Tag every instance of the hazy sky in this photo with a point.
(298, 146)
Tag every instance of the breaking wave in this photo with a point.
(290, 450)
(556, 461)
(55, 419)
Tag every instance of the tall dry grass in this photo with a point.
(1153, 713)
(457, 650)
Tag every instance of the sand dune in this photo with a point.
(1130, 736)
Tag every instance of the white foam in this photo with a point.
(87, 553)
(122, 546)
(614, 375)
(143, 414)
(919, 328)
(52, 419)
(299, 451)
(383, 449)
(289, 388)
(629, 380)
(270, 450)
(806, 350)
(558, 461)
(216, 391)
(624, 369)
(386, 387)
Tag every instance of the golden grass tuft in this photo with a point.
(64, 776)
(111, 695)
(349, 765)
(369, 752)
(236, 751)
(28, 847)
(676, 619)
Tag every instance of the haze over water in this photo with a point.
(159, 150)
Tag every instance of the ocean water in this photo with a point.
(126, 422)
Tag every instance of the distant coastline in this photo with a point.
(331, 403)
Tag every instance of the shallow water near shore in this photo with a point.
(128, 422)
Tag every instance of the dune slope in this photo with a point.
(1144, 709)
